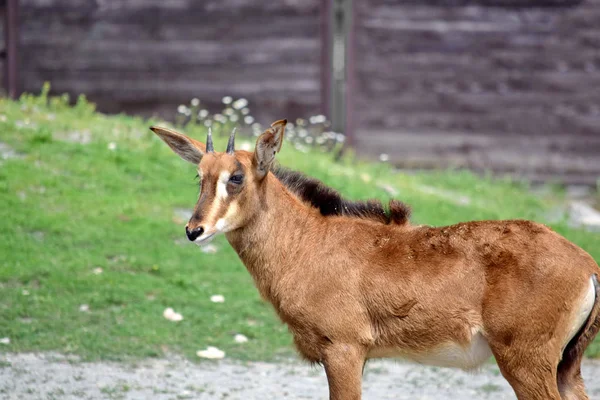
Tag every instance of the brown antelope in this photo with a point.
(355, 280)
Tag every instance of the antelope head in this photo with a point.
(230, 182)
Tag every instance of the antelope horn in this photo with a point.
(231, 143)
(209, 143)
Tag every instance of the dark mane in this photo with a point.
(330, 202)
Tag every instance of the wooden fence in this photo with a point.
(148, 56)
(510, 88)
(507, 85)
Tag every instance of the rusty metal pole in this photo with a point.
(350, 89)
(11, 40)
(326, 32)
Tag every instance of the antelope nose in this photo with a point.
(194, 233)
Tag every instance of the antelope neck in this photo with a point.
(268, 241)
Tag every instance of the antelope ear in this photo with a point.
(189, 149)
(267, 145)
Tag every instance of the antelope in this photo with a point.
(356, 280)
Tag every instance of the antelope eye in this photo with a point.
(236, 179)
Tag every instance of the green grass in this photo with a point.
(68, 208)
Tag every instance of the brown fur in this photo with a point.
(353, 286)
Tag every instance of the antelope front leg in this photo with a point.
(343, 366)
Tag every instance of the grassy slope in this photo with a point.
(68, 208)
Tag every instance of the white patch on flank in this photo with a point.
(449, 354)
(583, 312)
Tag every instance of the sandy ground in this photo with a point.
(52, 376)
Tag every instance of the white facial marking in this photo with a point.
(220, 195)
(222, 185)
(205, 238)
(225, 224)
(221, 224)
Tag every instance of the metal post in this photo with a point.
(326, 31)
(351, 16)
(338, 65)
(11, 41)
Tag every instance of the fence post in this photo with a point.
(350, 87)
(326, 31)
(11, 42)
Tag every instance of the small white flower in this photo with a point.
(308, 139)
(202, 114)
(227, 100)
(248, 119)
(246, 146)
(195, 102)
(301, 148)
(384, 157)
(84, 308)
(220, 118)
(240, 103)
(245, 111)
(97, 271)
(171, 315)
(181, 109)
(302, 133)
(207, 123)
(211, 352)
(25, 292)
(217, 298)
(239, 338)
(112, 146)
(340, 137)
(5, 340)
(233, 118)
(317, 119)
(228, 111)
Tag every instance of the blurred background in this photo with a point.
(503, 85)
(463, 109)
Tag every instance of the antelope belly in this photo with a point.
(449, 354)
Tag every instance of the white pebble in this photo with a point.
(217, 298)
(171, 315)
(239, 338)
(211, 353)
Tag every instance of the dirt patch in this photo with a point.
(52, 376)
